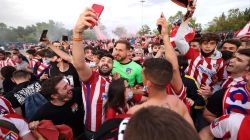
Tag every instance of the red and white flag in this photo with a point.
(244, 32)
(189, 35)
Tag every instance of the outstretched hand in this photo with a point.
(85, 19)
(164, 25)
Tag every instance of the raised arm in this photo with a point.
(83, 23)
(170, 55)
(61, 53)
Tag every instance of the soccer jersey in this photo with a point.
(32, 63)
(237, 100)
(231, 127)
(230, 81)
(5, 106)
(7, 62)
(94, 97)
(205, 70)
(20, 124)
(130, 71)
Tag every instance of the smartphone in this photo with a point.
(98, 10)
(65, 38)
(43, 35)
(159, 26)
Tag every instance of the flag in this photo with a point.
(189, 36)
(244, 32)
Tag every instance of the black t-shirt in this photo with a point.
(214, 104)
(21, 92)
(70, 74)
(8, 85)
(71, 113)
(191, 89)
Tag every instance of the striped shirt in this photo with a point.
(32, 63)
(236, 100)
(94, 97)
(7, 62)
(230, 81)
(5, 106)
(20, 124)
(206, 71)
(231, 127)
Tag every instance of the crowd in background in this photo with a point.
(149, 87)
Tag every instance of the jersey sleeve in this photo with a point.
(219, 127)
(20, 124)
(181, 94)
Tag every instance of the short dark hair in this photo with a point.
(49, 86)
(20, 74)
(158, 123)
(116, 97)
(246, 52)
(210, 37)
(123, 41)
(155, 44)
(89, 48)
(7, 71)
(31, 52)
(159, 71)
(235, 42)
(106, 54)
(2, 52)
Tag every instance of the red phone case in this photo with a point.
(98, 10)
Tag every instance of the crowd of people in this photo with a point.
(145, 88)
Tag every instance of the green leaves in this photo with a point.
(234, 20)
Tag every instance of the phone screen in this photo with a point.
(43, 35)
(98, 10)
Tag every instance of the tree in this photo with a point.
(178, 17)
(120, 32)
(145, 29)
(234, 20)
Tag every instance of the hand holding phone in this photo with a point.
(159, 27)
(98, 10)
(43, 35)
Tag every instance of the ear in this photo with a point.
(149, 83)
(13, 80)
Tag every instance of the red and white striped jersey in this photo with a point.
(230, 81)
(206, 71)
(94, 97)
(181, 94)
(7, 62)
(20, 124)
(5, 106)
(41, 68)
(231, 127)
(236, 100)
(32, 63)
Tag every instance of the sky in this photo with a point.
(127, 13)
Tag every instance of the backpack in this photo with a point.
(32, 103)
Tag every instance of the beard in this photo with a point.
(104, 72)
(119, 59)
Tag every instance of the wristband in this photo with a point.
(77, 39)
